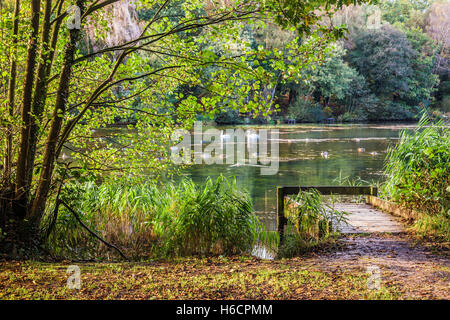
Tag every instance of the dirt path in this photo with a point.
(386, 252)
(414, 269)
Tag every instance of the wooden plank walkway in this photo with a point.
(364, 218)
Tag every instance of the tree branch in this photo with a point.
(92, 232)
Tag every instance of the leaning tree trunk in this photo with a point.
(38, 206)
(23, 230)
(41, 86)
(22, 184)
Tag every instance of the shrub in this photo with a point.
(306, 111)
(215, 219)
(118, 212)
(352, 116)
(229, 116)
(397, 111)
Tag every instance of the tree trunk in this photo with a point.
(22, 173)
(38, 206)
(11, 96)
(41, 86)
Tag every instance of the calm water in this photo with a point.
(301, 162)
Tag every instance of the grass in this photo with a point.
(418, 176)
(150, 221)
(294, 245)
(434, 227)
(216, 278)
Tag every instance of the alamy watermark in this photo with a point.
(374, 280)
(74, 280)
(234, 147)
(74, 18)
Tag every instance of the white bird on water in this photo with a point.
(324, 154)
(236, 165)
(252, 137)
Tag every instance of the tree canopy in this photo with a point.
(64, 77)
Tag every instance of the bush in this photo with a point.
(118, 212)
(229, 116)
(154, 221)
(397, 111)
(418, 169)
(352, 116)
(367, 107)
(306, 111)
(215, 219)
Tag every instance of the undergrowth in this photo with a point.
(312, 224)
(418, 177)
(151, 221)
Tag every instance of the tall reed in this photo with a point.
(311, 223)
(418, 171)
(150, 220)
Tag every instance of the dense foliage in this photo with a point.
(181, 60)
(391, 66)
(418, 170)
(148, 220)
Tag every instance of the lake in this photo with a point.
(353, 151)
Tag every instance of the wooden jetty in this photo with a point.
(362, 218)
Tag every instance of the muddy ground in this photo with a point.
(420, 271)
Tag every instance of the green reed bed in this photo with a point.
(418, 170)
(152, 221)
